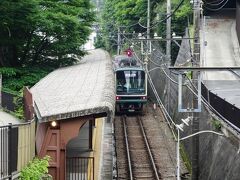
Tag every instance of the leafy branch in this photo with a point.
(35, 169)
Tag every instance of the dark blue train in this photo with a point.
(131, 85)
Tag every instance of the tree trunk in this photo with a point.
(2, 64)
(42, 45)
(13, 61)
(26, 49)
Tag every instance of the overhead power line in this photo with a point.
(207, 6)
(168, 16)
(214, 3)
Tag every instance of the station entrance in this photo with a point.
(79, 161)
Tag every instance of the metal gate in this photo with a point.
(80, 168)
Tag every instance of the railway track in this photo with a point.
(134, 155)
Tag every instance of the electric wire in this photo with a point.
(206, 103)
(215, 3)
(186, 53)
(217, 9)
(160, 52)
(160, 66)
(165, 113)
(158, 22)
(178, 6)
(192, 89)
(156, 64)
(128, 25)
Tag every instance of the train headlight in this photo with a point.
(144, 97)
(117, 97)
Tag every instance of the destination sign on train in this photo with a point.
(130, 75)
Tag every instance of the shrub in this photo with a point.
(35, 169)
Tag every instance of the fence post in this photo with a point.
(93, 167)
(10, 150)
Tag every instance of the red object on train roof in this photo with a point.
(129, 52)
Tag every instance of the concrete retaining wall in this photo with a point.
(218, 156)
(238, 19)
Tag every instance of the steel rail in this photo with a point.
(148, 149)
(127, 147)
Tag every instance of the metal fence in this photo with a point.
(224, 108)
(17, 148)
(80, 168)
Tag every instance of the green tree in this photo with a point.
(43, 32)
(180, 19)
(15, 25)
(129, 15)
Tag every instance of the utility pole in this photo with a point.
(118, 42)
(97, 6)
(168, 47)
(196, 55)
(148, 35)
(148, 20)
(168, 51)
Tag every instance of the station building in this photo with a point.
(74, 108)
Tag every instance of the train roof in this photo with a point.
(83, 89)
(140, 68)
(124, 62)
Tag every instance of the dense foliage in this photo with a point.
(43, 32)
(35, 169)
(15, 78)
(127, 15)
(37, 36)
(180, 18)
(98, 4)
(131, 16)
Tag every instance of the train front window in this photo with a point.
(130, 82)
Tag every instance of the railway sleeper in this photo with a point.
(147, 165)
(144, 176)
(145, 171)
